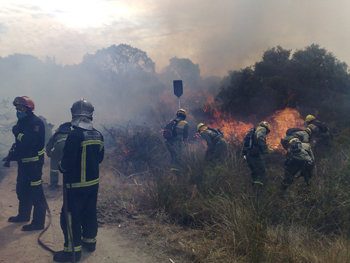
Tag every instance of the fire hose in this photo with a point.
(69, 228)
(67, 216)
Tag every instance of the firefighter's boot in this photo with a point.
(88, 246)
(18, 219)
(32, 227)
(64, 256)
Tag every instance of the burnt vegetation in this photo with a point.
(229, 224)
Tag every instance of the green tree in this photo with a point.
(312, 79)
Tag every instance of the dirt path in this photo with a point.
(17, 246)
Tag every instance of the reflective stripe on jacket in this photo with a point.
(30, 139)
(82, 153)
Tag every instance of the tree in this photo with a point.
(182, 68)
(312, 79)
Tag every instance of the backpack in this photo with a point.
(290, 131)
(248, 141)
(169, 130)
(285, 141)
(217, 131)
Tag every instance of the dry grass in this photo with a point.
(211, 215)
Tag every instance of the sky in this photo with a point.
(219, 35)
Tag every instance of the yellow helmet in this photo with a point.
(201, 127)
(310, 118)
(266, 125)
(181, 113)
(294, 140)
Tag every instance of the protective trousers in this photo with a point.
(217, 153)
(256, 164)
(81, 204)
(30, 192)
(54, 172)
(292, 167)
(175, 150)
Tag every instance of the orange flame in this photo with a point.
(281, 121)
(236, 130)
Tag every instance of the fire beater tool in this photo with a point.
(178, 90)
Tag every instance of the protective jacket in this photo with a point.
(318, 128)
(303, 136)
(175, 144)
(298, 159)
(216, 143)
(29, 133)
(305, 154)
(300, 134)
(54, 150)
(260, 145)
(320, 132)
(83, 152)
(255, 156)
(181, 131)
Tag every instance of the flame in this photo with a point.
(235, 131)
(280, 122)
(123, 148)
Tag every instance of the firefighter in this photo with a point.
(319, 129)
(54, 150)
(304, 135)
(82, 154)
(178, 134)
(255, 154)
(28, 151)
(216, 144)
(299, 158)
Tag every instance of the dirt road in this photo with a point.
(17, 246)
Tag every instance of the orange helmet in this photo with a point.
(25, 101)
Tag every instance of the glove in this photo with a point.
(245, 157)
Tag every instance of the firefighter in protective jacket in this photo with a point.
(28, 151)
(82, 154)
(299, 158)
(216, 144)
(54, 150)
(255, 155)
(304, 135)
(320, 132)
(175, 143)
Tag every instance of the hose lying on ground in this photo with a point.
(41, 243)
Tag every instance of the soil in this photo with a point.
(121, 236)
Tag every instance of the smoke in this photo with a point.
(219, 36)
(226, 35)
(120, 81)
